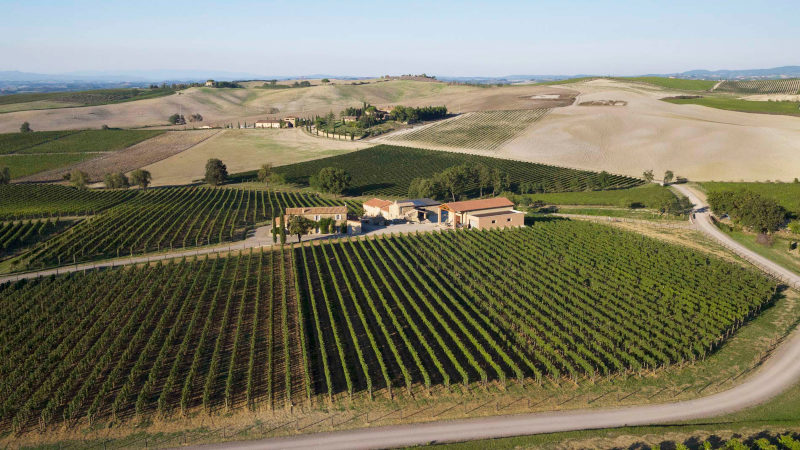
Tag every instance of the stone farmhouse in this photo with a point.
(486, 213)
(268, 123)
(338, 214)
(412, 210)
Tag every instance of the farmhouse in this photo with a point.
(269, 123)
(495, 212)
(412, 210)
(337, 214)
(348, 119)
(290, 121)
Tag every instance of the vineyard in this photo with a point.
(484, 130)
(16, 235)
(24, 201)
(388, 170)
(788, 86)
(360, 317)
(160, 219)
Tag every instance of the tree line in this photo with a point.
(749, 209)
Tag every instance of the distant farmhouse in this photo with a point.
(286, 122)
(412, 210)
(336, 214)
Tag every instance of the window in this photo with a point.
(316, 217)
(494, 221)
(508, 220)
(338, 217)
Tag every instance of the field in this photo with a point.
(15, 236)
(26, 154)
(646, 196)
(136, 156)
(789, 108)
(159, 219)
(50, 100)
(388, 170)
(791, 87)
(786, 194)
(673, 83)
(24, 201)
(243, 150)
(486, 130)
(266, 330)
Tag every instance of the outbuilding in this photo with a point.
(486, 213)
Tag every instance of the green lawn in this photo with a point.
(786, 194)
(778, 251)
(735, 104)
(24, 165)
(674, 83)
(644, 214)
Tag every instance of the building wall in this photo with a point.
(463, 216)
(500, 221)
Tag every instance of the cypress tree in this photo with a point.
(283, 230)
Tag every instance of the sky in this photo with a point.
(370, 38)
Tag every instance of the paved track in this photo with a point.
(779, 373)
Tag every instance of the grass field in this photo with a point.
(673, 83)
(486, 130)
(266, 330)
(777, 250)
(786, 194)
(24, 165)
(50, 100)
(735, 104)
(30, 153)
(645, 196)
(388, 170)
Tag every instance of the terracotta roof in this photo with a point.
(477, 205)
(377, 203)
(317, 210)
(418, 202)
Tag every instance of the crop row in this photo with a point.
(24, 201)
(73, 141)
(789, 86)
(14, 235)
(388, 170)
(158, 340)
(361, 317)
(169, 218)
(483, 130)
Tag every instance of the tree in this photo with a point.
(282, 229)
(264, 172)
(79, 178)
(25, 128)
(216, 172)
(668, 176)
(299, 225)
(500, 181)
(141, 178)
(423, 188)
(116, 180)
(748, 208)
(648, 176)
(5, 175)
(177, 119)
(484, 176)
(325, 80)
(454, 180)
(332, 180)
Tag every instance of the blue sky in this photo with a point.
(464, 38)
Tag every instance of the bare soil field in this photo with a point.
(223, 106)
(693, 141)
(243, 150)
(133, 157)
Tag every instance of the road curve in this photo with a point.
(780, 372)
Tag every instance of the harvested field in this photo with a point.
(133, 157)
(243, 150)
(604, 103)
(486, 130)
(225, 106)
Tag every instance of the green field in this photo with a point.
(645, 196)
(24, 165)
(388, 170)
(735, 104)
(25, 201)
(362, 318)
(48, 100)
(786, 194)
(673, 83)
(28, 153)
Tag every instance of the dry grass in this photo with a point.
(243, 150)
